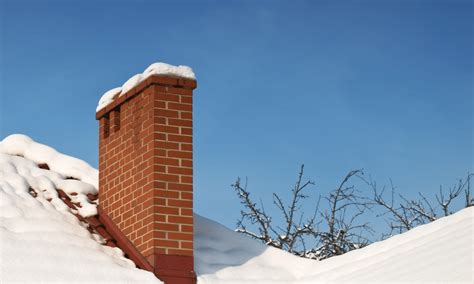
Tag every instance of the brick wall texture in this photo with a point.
(146, 165)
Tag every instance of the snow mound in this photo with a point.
(22, 145)
(224, 256)
(40, 240)
(439, 252)
(108, 97)
(73, 176)
(158, 68)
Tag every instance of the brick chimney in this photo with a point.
(146, 173)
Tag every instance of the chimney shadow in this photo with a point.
(216, 247)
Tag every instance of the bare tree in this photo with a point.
(337, 224)
(342, 233)
(406, 214)
(287, 236)
(445, 199)
(255, 215)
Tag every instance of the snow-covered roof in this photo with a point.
(41, 239)
(158, 68)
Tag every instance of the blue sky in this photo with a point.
(382, 85)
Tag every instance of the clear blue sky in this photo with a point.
(382, 85)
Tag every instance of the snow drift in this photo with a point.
(439, 252)
(41, 240)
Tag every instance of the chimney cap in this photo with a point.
(159, 69)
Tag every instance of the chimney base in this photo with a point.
(165, 268)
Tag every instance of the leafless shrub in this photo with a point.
(342, 232)
(337, 224)
(405, 214)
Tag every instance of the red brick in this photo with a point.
(159, 235)
(181, 171)
(187, 228)
(166, 243)
(186, 245)
(180, 236)
(166, 210)
(186, 179)
(159, 136)
(159, 218)
(179, 154)
(168, 97)
(186, 99)
(178, 106)
(167, 129)
(167, 161)
(180, 186)
(166, 113)
(180, 122)
(166, 177)
(167, 227)
(186, 163)
(186, 147)
(167, 145)
(159, 201)
(168, 193)
(180, 203)
(186, 131)
(180, 252)
(186, 115)
(180, 138)
(186, 195)
(146, 167)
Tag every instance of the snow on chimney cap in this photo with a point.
(158, 68)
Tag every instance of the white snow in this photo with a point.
(161, 68)
(25, 173)
(108, 97)
(158, 68)
(43, 241)
(22, 145)
(439, 252)
(130, 83)
(225, 256)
